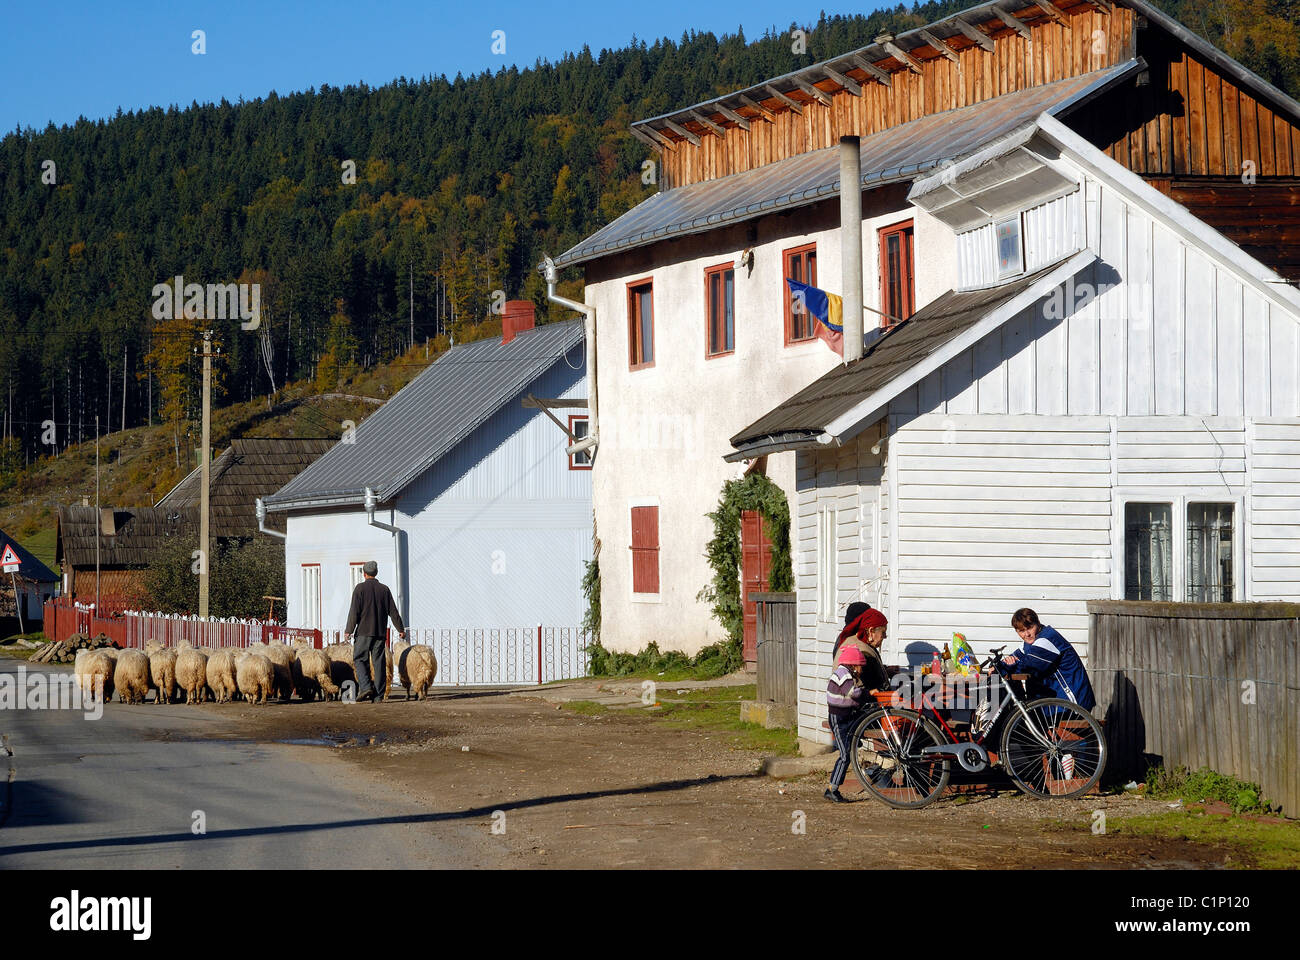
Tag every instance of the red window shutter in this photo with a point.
(645, 549)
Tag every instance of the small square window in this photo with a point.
(579, 428)
(1011, 254)
(1148, 551)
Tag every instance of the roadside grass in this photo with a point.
(41, 543)
(1179, 783)
(714, 710)
(9, 646)
(1270, 846)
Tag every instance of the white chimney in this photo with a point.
(851, 245)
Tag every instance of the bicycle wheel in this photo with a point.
(887, 758)
(1054, 749)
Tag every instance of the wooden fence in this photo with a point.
(1201, 685)
(778, 648)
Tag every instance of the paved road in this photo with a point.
(106, 794)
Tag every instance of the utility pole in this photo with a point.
(203, 481)
(99, 522)
(411, 299)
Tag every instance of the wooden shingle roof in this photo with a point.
(130, 537)
(253, 467)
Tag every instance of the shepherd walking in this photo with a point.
(372, 608)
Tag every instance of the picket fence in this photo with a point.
(467, 656)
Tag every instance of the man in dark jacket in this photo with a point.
(372, 608)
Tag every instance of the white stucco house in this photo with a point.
(465, 497)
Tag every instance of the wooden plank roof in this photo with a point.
(252, 467)
(129, 537)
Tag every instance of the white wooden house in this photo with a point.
(1107, 406)
(465, 497)
(697, 338)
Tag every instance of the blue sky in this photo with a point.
(62, 60)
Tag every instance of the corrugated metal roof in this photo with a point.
(429, 416)
(899, 153)
(810, 411)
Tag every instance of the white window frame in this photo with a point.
(356, 575)
(631, 574)
(827, 565)
(1179, 502)
(311, 619)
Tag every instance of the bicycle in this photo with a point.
(1049, 747)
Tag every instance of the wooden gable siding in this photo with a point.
(1093, 41)
(1156, 327)
(1189, 120)
(1262, 218)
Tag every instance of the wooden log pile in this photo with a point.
(65, 651)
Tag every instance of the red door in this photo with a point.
(755, 569)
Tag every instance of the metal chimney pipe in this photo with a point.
(851, 245)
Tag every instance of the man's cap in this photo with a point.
(371, 568)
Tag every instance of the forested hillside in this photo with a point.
(460, 185)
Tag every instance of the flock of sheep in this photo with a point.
(256, 673)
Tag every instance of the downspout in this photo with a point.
(552, 273)
(261, 522)
(399, 577)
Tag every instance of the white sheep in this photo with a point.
(341, 669)
(131, 677)
(94, 673)
(192, 674)
(256, 677)
(417, 666)
(312, 675)
(221, 675)
(162, 674)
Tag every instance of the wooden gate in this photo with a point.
(755, 570)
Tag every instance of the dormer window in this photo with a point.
(1011, 251)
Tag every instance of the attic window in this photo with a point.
(1011, 252)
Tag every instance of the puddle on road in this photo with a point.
(338, 740)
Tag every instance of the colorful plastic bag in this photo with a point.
(964, 657)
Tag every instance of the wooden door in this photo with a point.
(755, 571)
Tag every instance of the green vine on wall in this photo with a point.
(753, 492)
(591, 590)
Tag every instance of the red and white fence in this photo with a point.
(467, 656)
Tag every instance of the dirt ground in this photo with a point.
(617, 789)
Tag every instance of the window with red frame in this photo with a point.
(579, 428)
(640, 325)
(897, 283)
(720, 304)
(645, 549)
(800, 265)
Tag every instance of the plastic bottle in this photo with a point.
(936, 665)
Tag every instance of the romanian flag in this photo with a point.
(826, 308)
